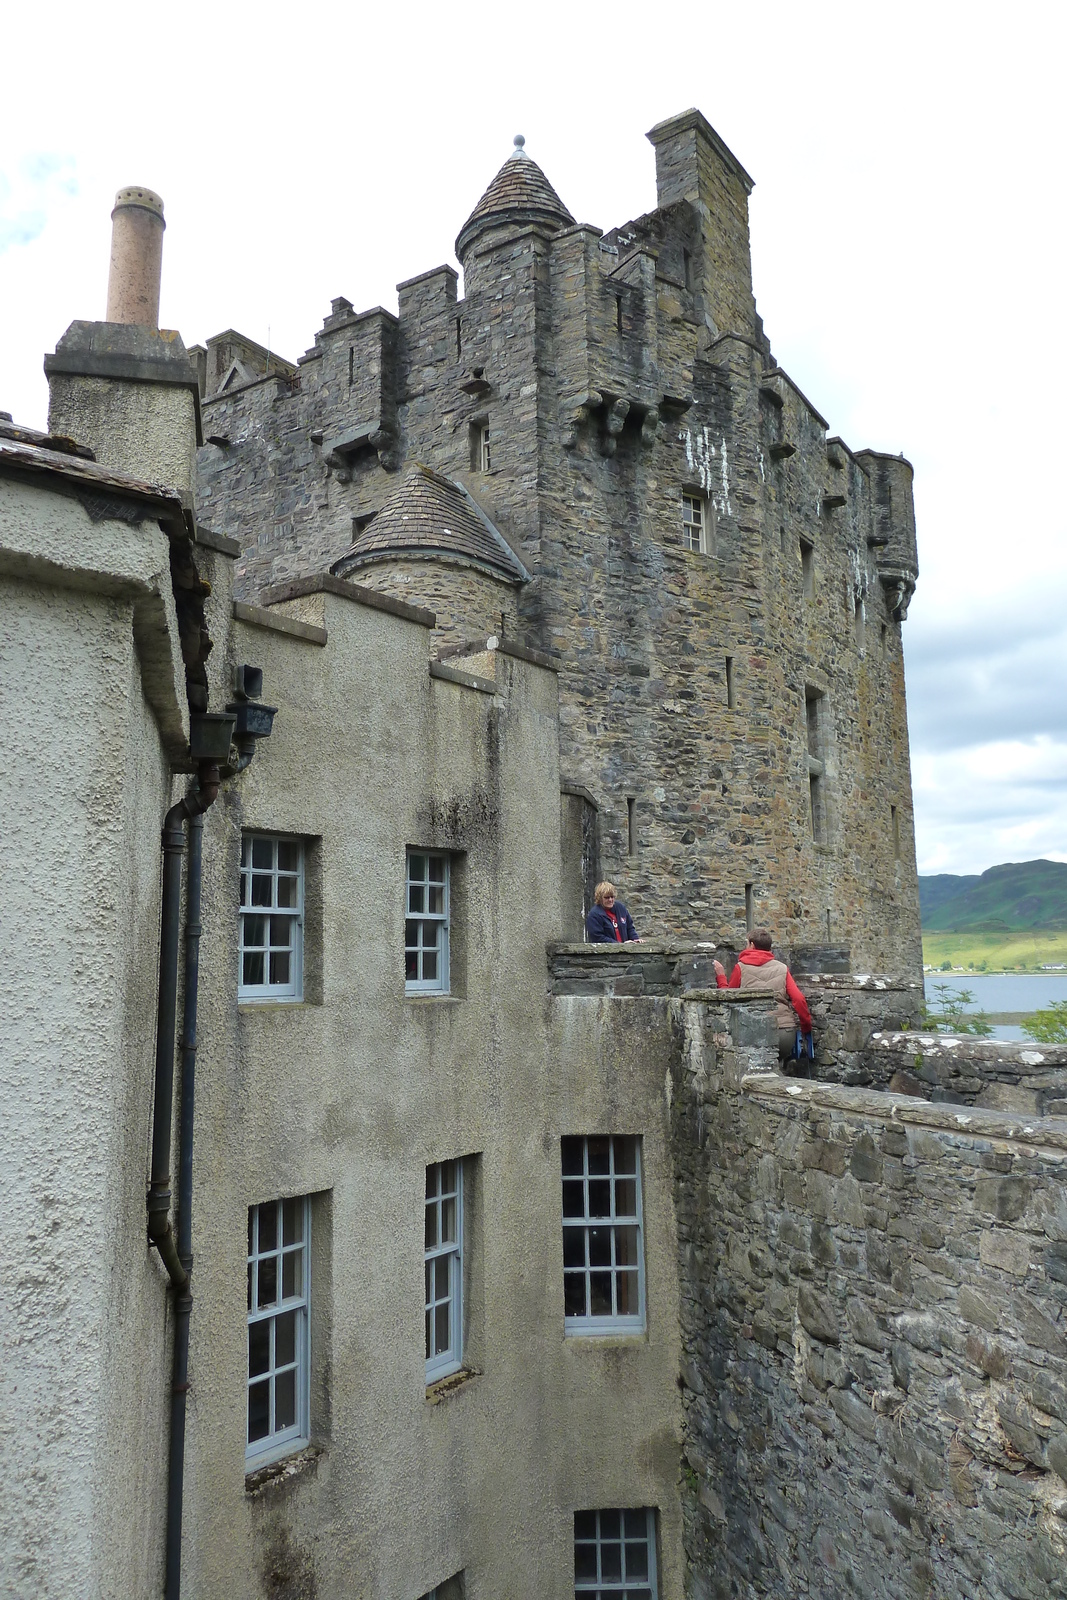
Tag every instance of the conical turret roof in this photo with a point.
(431, 515)
(519, 193)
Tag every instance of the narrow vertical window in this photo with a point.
(615, 1555)
(351, 365)
(696, 524)
(828, 935)
(885, 636)
(631, 844)
(426, 923)
(814, 714)
(749, 912)
(603, 1264)
(687, 269)
(271, 918)
(894, 817)
(730, 683)
(807, 568)
(459, 336)
(859, 624)
(444, 1268)
(279, 1237)
(618, 313)
(485, 451)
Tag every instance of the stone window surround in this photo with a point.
(578, 1164)
(443, 1254)
(286, 905)
(418, 953)
(611, 1547)
(292, 1241)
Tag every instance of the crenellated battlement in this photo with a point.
(719, 579)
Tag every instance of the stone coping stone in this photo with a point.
(1049, 1133)
(466, 680)
(1014, 1052)
(324, 583)
(258, 617)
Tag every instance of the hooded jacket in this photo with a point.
(761, 972)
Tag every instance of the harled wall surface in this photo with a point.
(347, 1097)
(84, 783)
(874, 1316)
(616, 371)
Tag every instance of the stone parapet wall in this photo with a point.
(1001, 1074)
(653, 967)
(874, 1308)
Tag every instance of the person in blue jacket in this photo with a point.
(608, 921)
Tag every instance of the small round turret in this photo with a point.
(519, 195)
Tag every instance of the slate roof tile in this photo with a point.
(520, 192)
(430, 515)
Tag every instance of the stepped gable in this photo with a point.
(519, 193)
(430, 515)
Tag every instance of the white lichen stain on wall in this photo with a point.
(700, 453)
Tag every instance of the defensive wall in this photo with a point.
(874, 1303)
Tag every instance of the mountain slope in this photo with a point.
(939, 887)
(1017, 894)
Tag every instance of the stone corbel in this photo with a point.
(649, 427)
(899, 587)
(614, 423)
(579, 414)
(341, 450)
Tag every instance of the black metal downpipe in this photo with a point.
(183, 1302)
(177, 1253)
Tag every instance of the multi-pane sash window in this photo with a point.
(279, 1239)
(426, 924)
(615, 1555)
(603, 1268)
(272, 909)
(444, 1268)
(694, 523)
(485, 451)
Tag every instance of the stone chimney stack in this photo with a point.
(693, 163)
(126, 387)
(136, 257)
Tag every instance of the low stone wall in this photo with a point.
(999, 1074)
(874, 1306)
(846, 1009)
(651, 967)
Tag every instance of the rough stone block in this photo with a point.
(817, 1315)
(1006, 1251)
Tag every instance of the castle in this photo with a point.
(364, 1234)
(594, 453)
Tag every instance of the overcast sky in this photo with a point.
(907, 237)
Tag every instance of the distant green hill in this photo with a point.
(942, 886)
(1018, 894)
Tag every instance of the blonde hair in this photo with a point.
(600, 891)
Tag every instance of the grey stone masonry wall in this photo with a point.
(737, 711)
(1000, 1074)
(874, 1310)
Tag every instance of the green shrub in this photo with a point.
(1048, 1026)
(947, 1014)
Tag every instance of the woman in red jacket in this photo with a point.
(758, 972)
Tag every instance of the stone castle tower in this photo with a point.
(594, 454)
